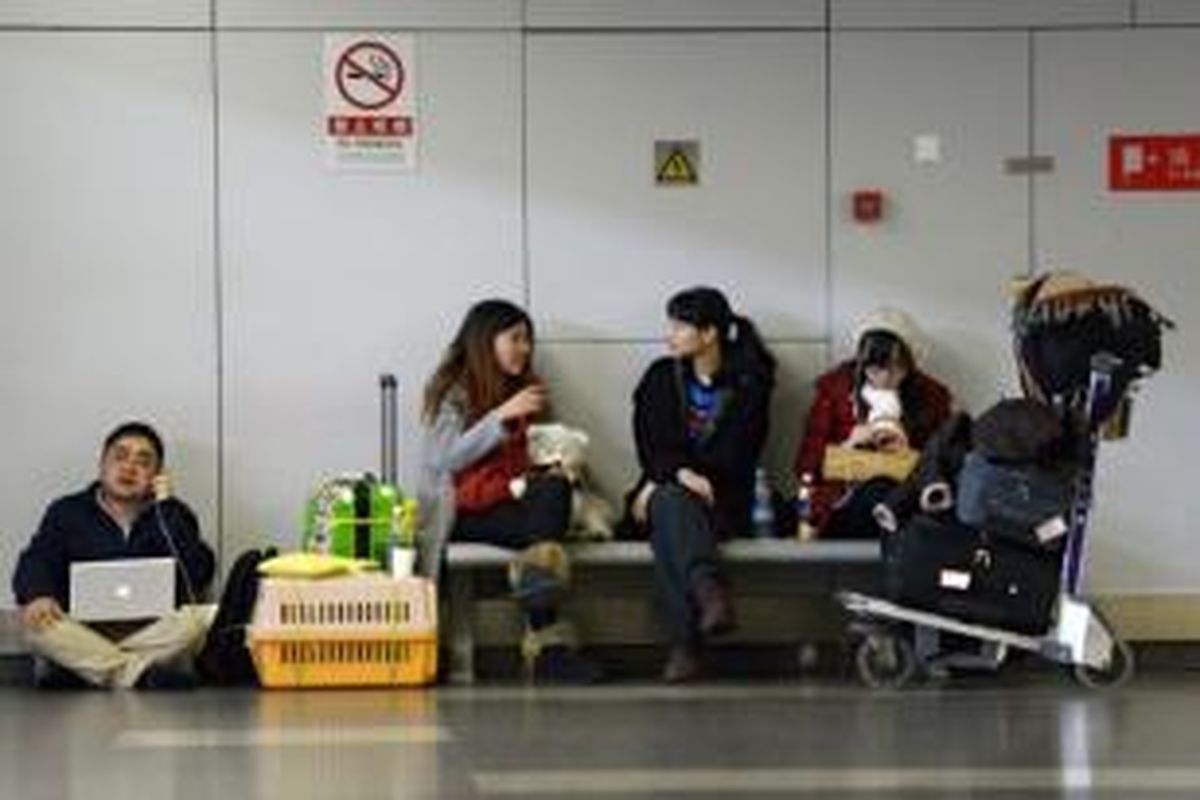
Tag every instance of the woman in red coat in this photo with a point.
(877, 399)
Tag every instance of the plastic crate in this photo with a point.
(362, 630)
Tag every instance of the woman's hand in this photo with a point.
(697, 484)
(861, 436)
(890, 440)
(525, 403)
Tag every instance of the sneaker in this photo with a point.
(683, 664)
(717, 616)
(561, 664)
(157, 678)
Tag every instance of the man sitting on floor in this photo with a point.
(126, 514)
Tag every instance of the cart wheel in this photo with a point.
(885, 661)
(1120, 669)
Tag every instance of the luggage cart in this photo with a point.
(898, 645)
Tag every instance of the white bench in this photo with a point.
(839, 563)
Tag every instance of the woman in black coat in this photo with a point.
(700, 421)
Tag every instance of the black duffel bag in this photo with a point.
(1028, 504)
(937, 564)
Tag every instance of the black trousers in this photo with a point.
(854, 517)
(684, 542)
(541, 515)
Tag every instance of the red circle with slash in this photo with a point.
(369, 76)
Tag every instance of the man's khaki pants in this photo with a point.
(119, 664)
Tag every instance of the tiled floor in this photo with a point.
(1035, 737)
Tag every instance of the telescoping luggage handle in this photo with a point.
(388, 430)
(1100, 384)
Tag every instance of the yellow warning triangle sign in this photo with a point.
(677, 169)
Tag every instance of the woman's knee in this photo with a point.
(556, 488)
(671, 501)
(550, 507)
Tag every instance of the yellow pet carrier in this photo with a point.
(359, 630)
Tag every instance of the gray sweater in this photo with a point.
(447, 446)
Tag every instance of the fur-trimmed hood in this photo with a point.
(897, 323)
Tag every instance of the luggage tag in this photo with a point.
(960, 580)
(1116, 427)
(955, 579)
(1051, 529)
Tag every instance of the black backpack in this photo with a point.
(225, 658)
(1057, 337)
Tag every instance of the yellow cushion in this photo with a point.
(855, 465)
(312, 565)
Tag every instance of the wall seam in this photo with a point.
(218, 282)
(1031, 149)
(526, 282)
(1135, 21)
(657, 340)
(827, 79)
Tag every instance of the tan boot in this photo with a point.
(539, 575)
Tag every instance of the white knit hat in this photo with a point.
(897, 323)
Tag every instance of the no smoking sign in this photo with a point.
(369, 108)
(370, 76)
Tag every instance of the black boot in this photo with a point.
(562, 664)
(717, 616)
(50, 676)
(684, 664)
(159, 678)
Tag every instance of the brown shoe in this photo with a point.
(717, 616)
(683, 664)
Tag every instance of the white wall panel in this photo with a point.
(106, 293)
(592, 388)
(369, 13)
(607, 246)
(1168, 11)
(954, 231)
(674, 13)
(332, 277)
(109, 13)
(1147, 503)
(977, 13)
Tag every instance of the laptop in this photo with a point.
(123, 589)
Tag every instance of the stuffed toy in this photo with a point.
(558, 446)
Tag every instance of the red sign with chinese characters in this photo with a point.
(1154, 163)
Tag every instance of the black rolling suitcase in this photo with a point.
(937, 564)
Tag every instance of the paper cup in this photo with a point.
(403, 559)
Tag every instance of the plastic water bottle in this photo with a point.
(804, 527)
(762, 514)
(409, 514)
(322, 540)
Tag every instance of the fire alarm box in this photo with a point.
(868, 205)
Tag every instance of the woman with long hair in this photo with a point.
(879, 399)
(700, 422)
(477, 485)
